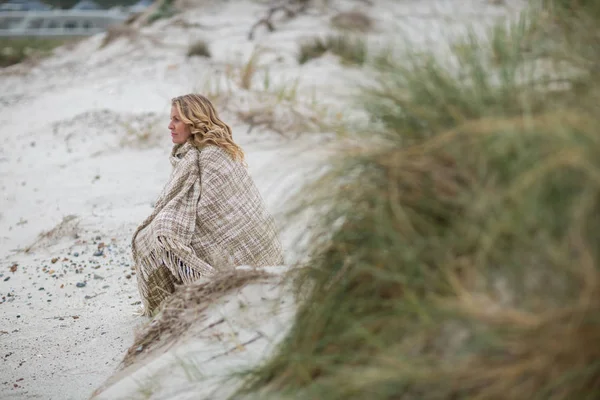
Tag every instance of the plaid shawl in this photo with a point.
(209, 216)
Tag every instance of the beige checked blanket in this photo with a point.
(209, 216)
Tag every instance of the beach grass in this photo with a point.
(16, 50)
(199, 48)
(352, 21)
(455, 251)
(352, 50)
(567, 8)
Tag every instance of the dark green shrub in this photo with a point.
(351, 50)
(199, 49)
(311, 49)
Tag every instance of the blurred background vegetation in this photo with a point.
(16, 50)
(457, 252)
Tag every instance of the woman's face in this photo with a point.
(180, 132)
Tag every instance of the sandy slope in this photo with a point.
(73, 146)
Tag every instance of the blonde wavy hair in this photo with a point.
(200, 115)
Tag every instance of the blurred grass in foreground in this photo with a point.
(568, 8)
(16, 50)
(456, 256)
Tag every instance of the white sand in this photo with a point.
(68, 128)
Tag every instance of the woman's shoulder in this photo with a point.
(214, 153)
(212, 149)
(217, 158)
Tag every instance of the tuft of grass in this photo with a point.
(248, 70)
(455, 250)
(564, 9)
(17, 50)
(142, 132)
(311, 49)
(284, 92)
(242, 75)
(353, 21)
(69, 226)
(178, 312)
(199, 49)
(350, 49)
(218, 88)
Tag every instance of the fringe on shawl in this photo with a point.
(167, 265)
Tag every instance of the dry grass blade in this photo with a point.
(249, 69)
(68, 227)
(185, 307)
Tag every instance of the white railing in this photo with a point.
(58, 22)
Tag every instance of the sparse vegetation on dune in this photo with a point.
(199, 49)
(186, 307)
(569, 8)
(311, 49)
(353, 21)
(16, 50)
(142, 132)
(350, 49)
(68, 227)
(456, 251)
(256, 98)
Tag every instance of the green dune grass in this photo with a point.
(456, 256)
(16, 50)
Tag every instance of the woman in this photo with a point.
(209, 216)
